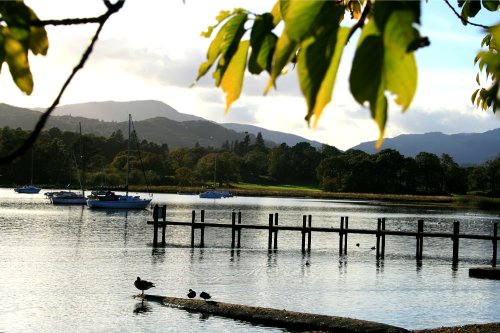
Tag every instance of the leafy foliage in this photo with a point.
(312, 36)
(17, 37)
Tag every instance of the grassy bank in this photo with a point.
(291, 191)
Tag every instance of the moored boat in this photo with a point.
(211, 195)
(29, 189)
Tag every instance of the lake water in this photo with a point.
(72, 269)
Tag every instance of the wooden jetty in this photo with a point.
(159, 221)
(297, 321)
(485, 272)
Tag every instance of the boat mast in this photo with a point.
(128, 154)
(82, 175)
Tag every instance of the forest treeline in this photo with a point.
(61, 158)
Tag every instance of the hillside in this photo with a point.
(151, 120)
(465, 148)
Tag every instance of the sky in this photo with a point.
(151, 50)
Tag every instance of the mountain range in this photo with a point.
(158, 122)
(465, 148)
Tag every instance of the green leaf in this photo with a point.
(284, 52)
(232, 81)
(326, 90)
(301, 17)
(384, 9)
(222, 42)
(262, 42)
(491, 5)
(399, 66)
(378, 108)
(316, 53)
(473, 97)
(366, 71)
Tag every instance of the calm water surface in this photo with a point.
(72, 269)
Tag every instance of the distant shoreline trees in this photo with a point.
(60, 156)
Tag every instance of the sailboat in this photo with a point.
(111, 200)
(30, 189)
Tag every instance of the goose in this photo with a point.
(205, 295)
(191, 294)
(143, 285)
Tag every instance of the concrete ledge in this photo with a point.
(274, 317)
(485, 272)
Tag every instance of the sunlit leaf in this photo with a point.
(38, 41)
(354, 7)
(222, 41)
(473, 97)
(17, 59)
(378, 109)
(276, 13)
(234, 30)
(232, 81)
(2, 49)
(326, 90)
(301, 16)
(399, 66)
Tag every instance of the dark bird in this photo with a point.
(205, 295)
(357, 244)
(373, 248)
(143, 285)
(191, 293)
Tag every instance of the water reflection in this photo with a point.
(142, 307)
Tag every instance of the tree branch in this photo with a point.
(112, 8)
(464, 19)
(361, 20)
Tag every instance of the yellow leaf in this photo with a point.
(17, 59)
(232, 81)
(38, 41)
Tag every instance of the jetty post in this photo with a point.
(494, 240)
(270, 237)
(341, 236)
(238, 245)
(379, 227)
(420, 240)
(159, 213)
(233, 230)
(383, 238)
(303, 231)
(276, 231)
(202, 228)
(193, 219)
(309, 233)
(346, 219)
(456, 239)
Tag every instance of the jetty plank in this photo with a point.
(277, 318)
(485, 272)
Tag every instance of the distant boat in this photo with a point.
(211, 195)
(111, 200)
(30, 189)
(67, 198)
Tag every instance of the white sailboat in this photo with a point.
(111, 200)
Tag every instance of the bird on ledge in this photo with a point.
(205, 295)
(191, 294)
(143, 285)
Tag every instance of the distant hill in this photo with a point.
(278, 137)
(152, 120)
(119, 111)
(465, 148)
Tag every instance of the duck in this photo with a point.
(205, 295)
(143, 285)
(191, 293)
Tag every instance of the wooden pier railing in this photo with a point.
(159, 221)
